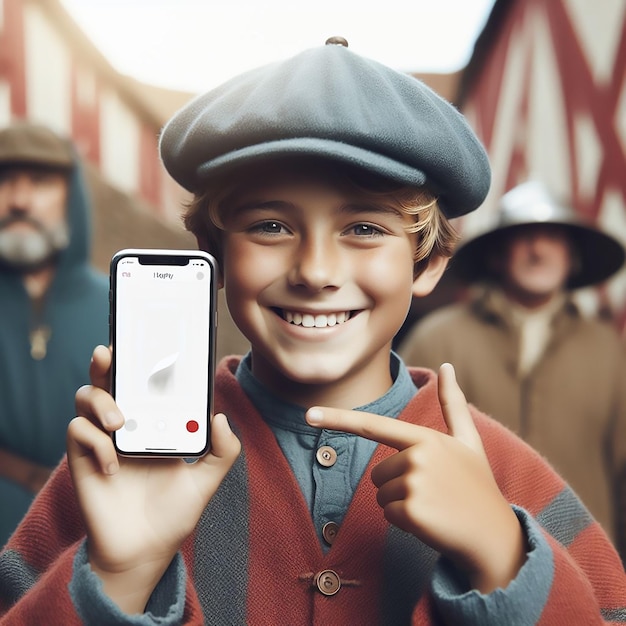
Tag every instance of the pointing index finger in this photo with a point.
(385, 430)
(455, 410)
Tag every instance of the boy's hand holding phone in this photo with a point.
(137, 511)
(440, 487)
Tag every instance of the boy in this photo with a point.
(322, 185)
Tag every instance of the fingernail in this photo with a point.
(448, 366)
(314, 416)
(111, 468)
(113, 419)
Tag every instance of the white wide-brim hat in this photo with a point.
(599, 254)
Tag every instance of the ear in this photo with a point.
(427, 280)
(203, 245)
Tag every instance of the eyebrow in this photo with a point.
(350, 208)
(254, 205)
(366, 207)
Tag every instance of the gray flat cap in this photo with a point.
(330, 102)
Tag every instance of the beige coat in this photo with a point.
(571, 406)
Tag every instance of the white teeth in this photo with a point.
(316, 321)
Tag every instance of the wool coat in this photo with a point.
(255, 557)
(570, 407)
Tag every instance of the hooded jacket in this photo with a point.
(37, 396)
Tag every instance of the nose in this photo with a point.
(316, 264)
(18, 193)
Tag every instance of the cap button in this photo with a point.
(337, 41)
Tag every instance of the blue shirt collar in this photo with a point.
(282, 414)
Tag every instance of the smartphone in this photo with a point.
(163, 321)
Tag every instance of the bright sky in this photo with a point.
(193, 45)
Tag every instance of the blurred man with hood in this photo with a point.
(53, 308)
(525, 354)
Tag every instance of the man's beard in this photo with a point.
(30, 250)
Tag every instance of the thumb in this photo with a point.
(224, 443)
(455, 410)
(225, 446)
(100, 367)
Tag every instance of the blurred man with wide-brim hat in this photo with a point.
(529, 208)
(525, 353)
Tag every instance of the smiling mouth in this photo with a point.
(320, 320)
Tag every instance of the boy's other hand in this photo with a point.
(440, 487)
(137, 511)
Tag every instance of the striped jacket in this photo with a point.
(255, 558)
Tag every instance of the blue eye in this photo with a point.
(270, 227)
(365, 230)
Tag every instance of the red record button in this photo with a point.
(192, 426)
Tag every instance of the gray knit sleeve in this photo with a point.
(520, 604)
(165, 607)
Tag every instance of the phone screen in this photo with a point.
(162, 332)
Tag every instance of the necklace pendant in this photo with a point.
(39, 342)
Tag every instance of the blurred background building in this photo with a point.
(51, 73)
(545, 89)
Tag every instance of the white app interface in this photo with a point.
(162, 355)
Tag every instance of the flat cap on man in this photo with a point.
(27, 143)
(330, 102)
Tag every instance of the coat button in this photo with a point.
(328, 582)
(329, 532)
(326, 456)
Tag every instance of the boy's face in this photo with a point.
(319, 279)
